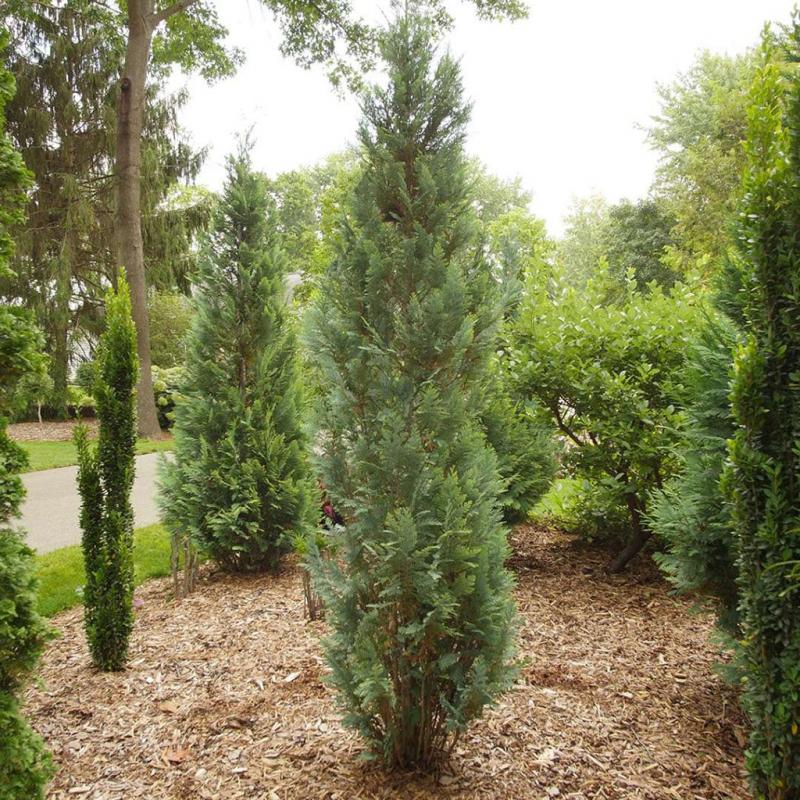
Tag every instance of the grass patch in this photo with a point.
(61, 574)
(48, 455)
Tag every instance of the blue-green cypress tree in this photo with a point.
(105, 480)
(240, 486)
(417, 597)
(765, 454)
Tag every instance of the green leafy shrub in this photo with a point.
(765, 458)
(692, 514)
(80, 403)
(166, 388)
(239, 486)
(105, 479)
(418, 599)
(610, 376)
(589, 509)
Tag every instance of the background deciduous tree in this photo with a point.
(699, 134)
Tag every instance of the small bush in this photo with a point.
(610, 377)
(25, 766)
(166, 388)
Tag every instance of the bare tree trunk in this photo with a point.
(128, 223)
(639, 537)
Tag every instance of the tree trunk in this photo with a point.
(59, 369)
(128, 223)
(639, 536)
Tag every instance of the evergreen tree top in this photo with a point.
(423, 101)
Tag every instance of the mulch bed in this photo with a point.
(49, 431)
(224, 698)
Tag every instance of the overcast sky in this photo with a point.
(557, 97)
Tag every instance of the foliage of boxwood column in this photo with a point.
(240, 486)
(25, 765)
(417, 598)
(105, 479)
(765, 453)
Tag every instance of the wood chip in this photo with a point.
(618, 698)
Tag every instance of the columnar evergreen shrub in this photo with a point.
(765, 453)
(24, 764)
(239, 486)
(105, 479)
(418, 599)
(692, 514)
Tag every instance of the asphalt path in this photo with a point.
(52, 505)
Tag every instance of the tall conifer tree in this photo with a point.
(418, 599)
(765, 454)
(240, 486)
(24, 764)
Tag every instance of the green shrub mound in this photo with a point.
(610, 375)
(525, 449)
(403, 331)
(239, 486)
(166, 388)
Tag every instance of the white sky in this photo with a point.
(557, 97)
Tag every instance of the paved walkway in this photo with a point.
(52, 505)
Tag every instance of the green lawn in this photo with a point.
(61, 574)
(47, 455)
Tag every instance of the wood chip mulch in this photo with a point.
(49, 431)
(224, 699)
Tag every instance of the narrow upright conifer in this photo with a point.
(105, 480)
(25, 765)
(239, 487)
(417, 597)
